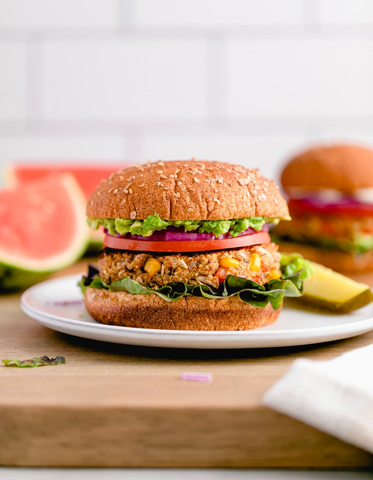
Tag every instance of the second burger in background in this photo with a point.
(330, 192)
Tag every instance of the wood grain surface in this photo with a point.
(124, 406)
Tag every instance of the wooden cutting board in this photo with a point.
(122, 406)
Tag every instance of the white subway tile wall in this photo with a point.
(124, 79)
(210, 13)
(13, 61)
(38, 14)
(247, 81)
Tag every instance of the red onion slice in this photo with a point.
(172, 234)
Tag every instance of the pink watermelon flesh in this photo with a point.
(42, 224)
(88, 176)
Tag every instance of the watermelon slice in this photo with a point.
(87, 175)
(42, 229)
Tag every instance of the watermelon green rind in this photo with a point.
(13, 278)
(19, 272)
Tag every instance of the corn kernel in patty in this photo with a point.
(152, 266)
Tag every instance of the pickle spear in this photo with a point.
(333, 291)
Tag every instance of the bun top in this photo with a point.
(187, 190)
(338, 167)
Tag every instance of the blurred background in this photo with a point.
(247, 81)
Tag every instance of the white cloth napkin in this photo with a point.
(334, 396)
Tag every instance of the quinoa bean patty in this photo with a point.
(259, 263)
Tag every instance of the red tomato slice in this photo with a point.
(348, 209)
(180, 246)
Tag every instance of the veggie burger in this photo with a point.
(330, 191)
(187, 248)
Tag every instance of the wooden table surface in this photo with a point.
(125, 406)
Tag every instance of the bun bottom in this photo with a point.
(343, 262)
(188, 313)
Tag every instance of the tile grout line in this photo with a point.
(311, 15)
(34, 90)
(125, 15)
(216, 88)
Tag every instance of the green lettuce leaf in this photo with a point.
(154, 223)
(217, 227)
(123, 225)
(294, 269)
(241, 224)
(35, 362)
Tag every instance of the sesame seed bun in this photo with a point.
(338, 167)
(343, 262)
(187, 313)
(187, 190)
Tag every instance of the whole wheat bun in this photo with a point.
(187, 190)
(343, 262)
(187, 313)
(338, 167)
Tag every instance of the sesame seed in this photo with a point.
(121, 178)
(161, 164)
(217, 201)
(179, 183)
(163, 176)
(116, 190)
(125, 191)
(159, 172)
(133, 215)
(142, 185)
(130, 190)
(196, 179)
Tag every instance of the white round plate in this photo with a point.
(57, 304)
